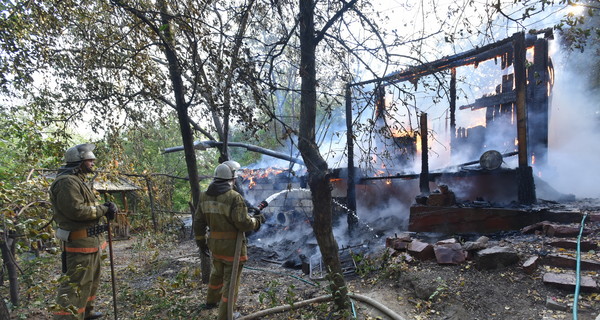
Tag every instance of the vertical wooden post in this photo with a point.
(351, 188)
(424, 176)
(151, 196)
(526, 188)
(452, 108)
(538, 109)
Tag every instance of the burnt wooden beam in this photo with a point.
(471, 57)
(466, 219)
(526, 187)
(352, 219)
(567, 262)
(424, 177)
(491, 100)
(452, 106)
(539, 91)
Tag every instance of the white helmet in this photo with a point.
(80, 152)
(234, 165)
(227, 170)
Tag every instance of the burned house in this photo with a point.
(512, 124)
(482, 180)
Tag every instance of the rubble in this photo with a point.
(496, 257)
(531, 264)
(567, 262)
(567, 281)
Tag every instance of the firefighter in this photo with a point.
(78, 216)
(221, 217)
(234, 166)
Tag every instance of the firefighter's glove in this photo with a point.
(260, 219)
(112, 210)
(253, 211)
(203, 247)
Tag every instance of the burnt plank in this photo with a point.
(567, 262)
(572, 244)
(567, 282)
(491, 100)
(458, 220)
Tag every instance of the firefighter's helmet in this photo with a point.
(234, 165)
(80, 152)
(227, 170)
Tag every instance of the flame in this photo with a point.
(252, 183)
(251, 175)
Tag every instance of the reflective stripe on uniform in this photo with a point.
(229, 258)
(216, 287)
(86, 250)
(94, 211)
(223, 235)
(68, 313)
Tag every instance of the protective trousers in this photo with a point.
(218, 286)
(77, 292)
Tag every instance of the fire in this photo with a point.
(251, 175)
(252, 183)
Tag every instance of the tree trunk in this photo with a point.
(318, 175)
(187, 135)
(7, 249)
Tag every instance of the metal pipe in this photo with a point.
(203, 145)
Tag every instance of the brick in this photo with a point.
(400, 244)
(421, 250)
(496, 257)
(449, 253)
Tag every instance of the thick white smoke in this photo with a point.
(574, 133)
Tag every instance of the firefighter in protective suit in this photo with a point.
(78, 215)
(220, 217)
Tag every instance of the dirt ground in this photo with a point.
(416, 290)
(159, 278)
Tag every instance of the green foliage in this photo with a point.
(27, 145)
(441, 289)
(364, 265)
(270, 295)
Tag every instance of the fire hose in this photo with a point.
(391, 314)
(236, 264)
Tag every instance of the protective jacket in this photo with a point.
(76, 208)
(223, 211)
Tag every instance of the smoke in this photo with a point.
(574, 151)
